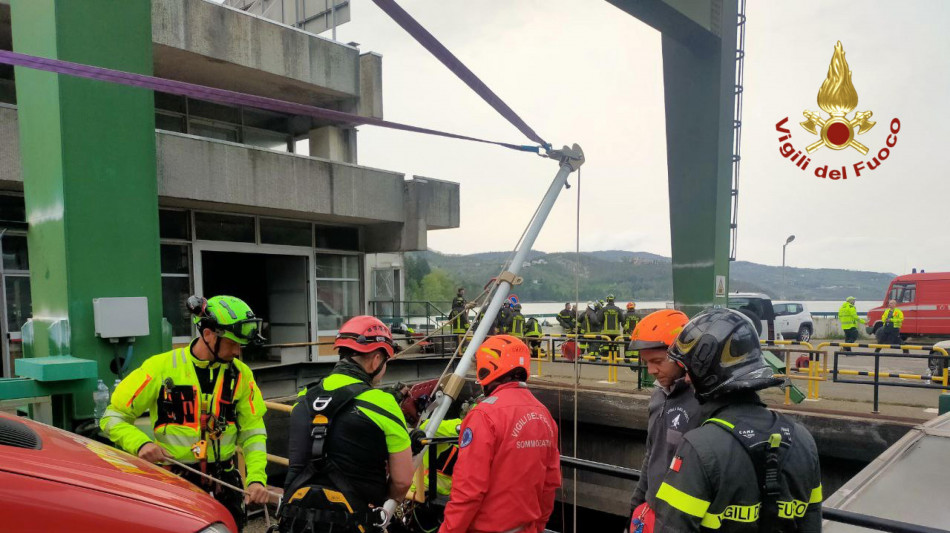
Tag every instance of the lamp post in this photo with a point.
(784, 287)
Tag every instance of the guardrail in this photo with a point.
(817, 368)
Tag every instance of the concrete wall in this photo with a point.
(207, 43)
(198, 169)
(198, 172)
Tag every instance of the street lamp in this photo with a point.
(784, 287)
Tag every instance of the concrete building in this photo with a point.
(268, 207)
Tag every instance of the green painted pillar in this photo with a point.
(88, 159)
(699, 89)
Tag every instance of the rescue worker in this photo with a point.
(567, 317)
(849, 319)
(892, 319)
(515, 324)
(587, 325)
(201, 430)
(509, 464)
(459, 313)
(446, 456)
(611, 318)
(344, 437)
(533, 334)
(746, 468)
(501, 321)
(673, 409)
(630, 318)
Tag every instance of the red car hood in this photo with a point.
(73, 460)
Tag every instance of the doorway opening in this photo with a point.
(277, 289)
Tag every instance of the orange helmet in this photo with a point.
(499, 355)
(658, 330)
(365, 334)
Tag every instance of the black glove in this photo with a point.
(416, 436)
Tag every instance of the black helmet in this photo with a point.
(720, 350)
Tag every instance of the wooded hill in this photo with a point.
(550, 277)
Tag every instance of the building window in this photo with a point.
(15, 255)
(289, 232)
(338, 290)
(12, 209)
(174, 224)
(337, 238)
(176, 287)
(213, 130)
(170, 122)
(220, 227)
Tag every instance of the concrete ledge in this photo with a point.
(210, 44)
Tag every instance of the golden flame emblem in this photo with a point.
(837, 97)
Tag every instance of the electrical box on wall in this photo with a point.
(118, 318)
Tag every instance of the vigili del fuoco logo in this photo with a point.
(838, 98)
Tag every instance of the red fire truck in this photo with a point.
(925, 300)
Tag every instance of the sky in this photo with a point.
(588, 73)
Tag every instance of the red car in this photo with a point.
(925, 301)
(53, 480)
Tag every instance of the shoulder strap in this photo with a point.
(323, 405)
(380, 411)
(768, 450)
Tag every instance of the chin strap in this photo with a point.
(214, 351)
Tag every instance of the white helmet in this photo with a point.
(590, 305)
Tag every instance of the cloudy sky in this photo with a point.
(586, 72)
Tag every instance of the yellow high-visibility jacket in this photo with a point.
(896, 317)
(167, 386)
(848, 316)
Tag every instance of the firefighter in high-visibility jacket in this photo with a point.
(532, 335)
(515, 324)
(746, 468)
(203, 403)
(630, 319)
(891, 320)
(508, 468)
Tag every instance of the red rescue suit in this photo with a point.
(509, 466)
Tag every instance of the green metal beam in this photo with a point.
(699, 87)
(88, 160)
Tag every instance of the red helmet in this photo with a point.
(499, 355)
(365, 334)
(658, 330)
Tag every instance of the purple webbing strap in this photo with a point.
(437, 49)
(218, 95)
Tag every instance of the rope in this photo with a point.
(224, 484)
(440, 52)
(224, 96)
(577, 297)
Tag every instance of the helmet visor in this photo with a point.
(246, 331)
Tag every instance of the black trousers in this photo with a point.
(226, 471)
(889, 335)
(851, 335)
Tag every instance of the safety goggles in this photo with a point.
(248, 330)
(363, 339)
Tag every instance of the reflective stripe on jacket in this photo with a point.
(711, 484)
(509, 467)
(848, 316)
(896, 318)
(610, 318)
(515, 325)
(167, 386)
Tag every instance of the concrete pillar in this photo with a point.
(88, 163)
(333, 143)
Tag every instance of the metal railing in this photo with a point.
(405, 311)
(817, 368)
